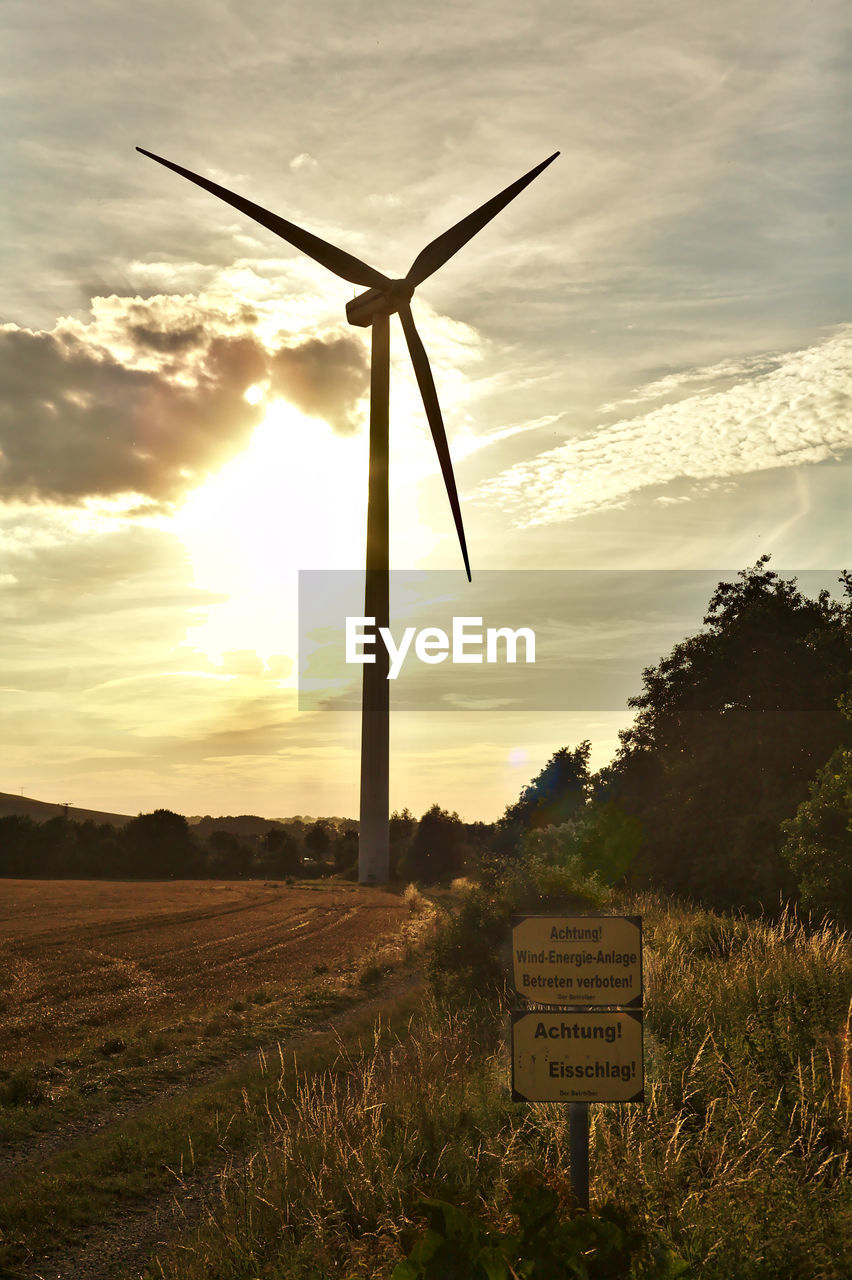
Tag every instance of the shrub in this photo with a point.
(22, 1089)
(465, 960)
(818, 846)
(413, 899)
(556, 867)
(470, 956)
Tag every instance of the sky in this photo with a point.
(643, 362)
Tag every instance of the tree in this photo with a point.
(57, 844)
(608, 842)
(730, 728)
(318, 839)
(87, 850)
(438, 849)
(281, 854)
(818, 841)
(21, 850)
(345, 850)
(228, 856)
(160, 844)
(556, 794)
(401, 829)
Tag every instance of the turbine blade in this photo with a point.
(436, 423)
(440, 250)
(327, 255)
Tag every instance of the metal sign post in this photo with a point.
(578, 1151)
(590, 1047)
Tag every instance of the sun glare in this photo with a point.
(295, 499)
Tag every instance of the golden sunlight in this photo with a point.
(295, 499)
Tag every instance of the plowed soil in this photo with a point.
(79, 955)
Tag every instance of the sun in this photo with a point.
(295, 499)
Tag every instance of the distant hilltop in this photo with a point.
(243, 825)
(249, 826)
(41, 811)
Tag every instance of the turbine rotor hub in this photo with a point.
(378, 302)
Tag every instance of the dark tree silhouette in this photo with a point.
(731, 727)
(229, 857)
(21, 848)
(438, 850)
(401, 829)
(345, 850)
(818, 840)
(281, 854)
(161, 844)
(318, 839)
(554, 796)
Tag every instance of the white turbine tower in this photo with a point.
(383, 297)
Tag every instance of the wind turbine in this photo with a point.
(383, 297)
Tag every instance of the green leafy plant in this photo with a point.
(556, 866)
(458, 1246)
(466, 960)
(818, 844)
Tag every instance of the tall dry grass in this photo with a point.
(738, 1161)
(331, 1191)
(742, 1153)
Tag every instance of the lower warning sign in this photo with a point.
(588, 1056)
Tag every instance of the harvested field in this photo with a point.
(83, 955)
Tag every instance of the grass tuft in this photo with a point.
(22, 1089)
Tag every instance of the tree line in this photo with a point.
(164, 844)
(733, 785)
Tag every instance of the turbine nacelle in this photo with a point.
(378, 302)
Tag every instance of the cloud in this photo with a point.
(304, 161)
(76, 421)
(467, 446)
(149, 396)
(708, 375)
(325, 378)
(798, 413)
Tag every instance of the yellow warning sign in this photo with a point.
(577, 1056)
(578, 960)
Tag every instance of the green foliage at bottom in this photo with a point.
(456, 1245)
